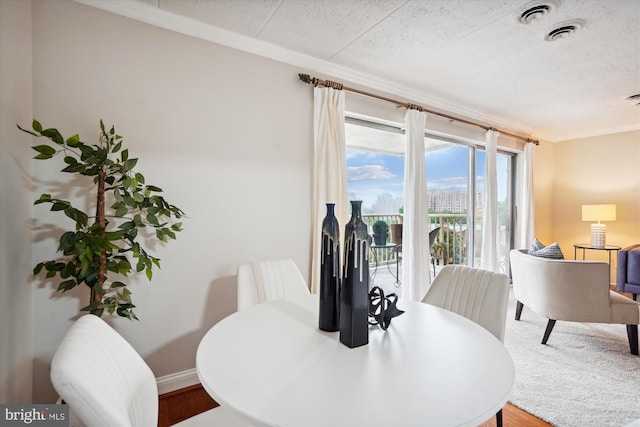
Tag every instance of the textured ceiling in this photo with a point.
(466, 56)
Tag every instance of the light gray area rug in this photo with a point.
(584, 376)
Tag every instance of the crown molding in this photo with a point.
(593, 134)
(149, 14)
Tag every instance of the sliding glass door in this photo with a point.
(455, 183)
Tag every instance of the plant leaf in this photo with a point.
(152, 219)
(73, 141)
(53, 135)
(112, 235)
(67, 285)
(38, 268)
(78, 216)
(121, 210)
(130, 164)
(60, 205)
(44, 149)
(43, 199)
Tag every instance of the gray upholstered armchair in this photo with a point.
(569, 290)
(628, 274)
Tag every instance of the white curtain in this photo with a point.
(489, 249)
(415, 224)
(525, 218)
(330, 168)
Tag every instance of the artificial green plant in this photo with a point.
(380, 227)
(109, 243)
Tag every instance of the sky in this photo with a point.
(373, 174)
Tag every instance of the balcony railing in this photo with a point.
(449, 246)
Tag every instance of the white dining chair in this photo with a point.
(479, 295)
(264, 281)
(106, 383)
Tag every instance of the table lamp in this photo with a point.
(598, 213)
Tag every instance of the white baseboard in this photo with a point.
(177, 381)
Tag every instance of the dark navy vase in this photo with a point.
(329, 318)
(354, 302)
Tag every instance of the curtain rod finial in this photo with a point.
(305, 78)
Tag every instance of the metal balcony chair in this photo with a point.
(432, 239)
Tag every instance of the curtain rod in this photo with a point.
(339, 86)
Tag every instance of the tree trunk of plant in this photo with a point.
(96, 297)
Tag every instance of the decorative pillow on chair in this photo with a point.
(536, 245)
(539, 249)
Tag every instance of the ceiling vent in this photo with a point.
(564, 30)
(536, 10)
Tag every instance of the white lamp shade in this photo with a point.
(598, 212)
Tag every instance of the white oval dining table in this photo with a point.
(272, 365)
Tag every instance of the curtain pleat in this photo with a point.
(525, 208)
(330, 168)
(415, 224)
(489, 249)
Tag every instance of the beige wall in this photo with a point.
(227, 135)
(15, 201)
(597, 170)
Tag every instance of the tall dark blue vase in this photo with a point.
(354, 303)
(329, 318)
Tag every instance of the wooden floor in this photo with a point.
(182, 404)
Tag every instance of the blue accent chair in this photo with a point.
(628, 273)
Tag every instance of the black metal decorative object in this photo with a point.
(382, 309)
(329, 318)
(354, 302)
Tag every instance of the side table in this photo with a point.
(588, 247)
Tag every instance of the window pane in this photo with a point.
(375, 171)
(376, 179)
(448, 187)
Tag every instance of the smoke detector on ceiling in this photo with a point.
(564, 30)
(537, 10)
